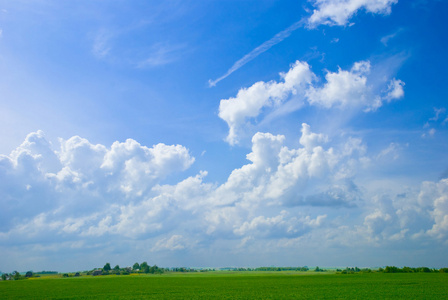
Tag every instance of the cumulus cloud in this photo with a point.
(352, 89)
(436, 195)
(339, 12)
(390, 220)
(287, 177)
(277, 197)
(38, 177)
(356, 88)
(101, 191)
(250, 101)
(343, 88)
(394, 90)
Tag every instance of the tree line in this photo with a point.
(393, 269)
(271, 269)
(145, 268)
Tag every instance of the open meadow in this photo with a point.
(233, 285)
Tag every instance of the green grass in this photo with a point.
(234, 285)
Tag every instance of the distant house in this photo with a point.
(97, 272)
(6, 276)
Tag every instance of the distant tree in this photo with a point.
(136, 266)
(16, 275)
(156, 270)
(391, 269)
(107, 267)
(29, 274)
(424, 269)
(144, 267)
(117, 268)
(4, 276)
(366, 270)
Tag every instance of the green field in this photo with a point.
(233, 285)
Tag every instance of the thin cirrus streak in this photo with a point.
(259, 50)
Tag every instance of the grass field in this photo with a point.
(233, 285)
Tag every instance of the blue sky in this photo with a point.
(223, 133)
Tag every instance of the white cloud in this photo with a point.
(280, 174)
(310, 139)
(257, 51)
(79, 155)
(434, 121)
(250, 101)
(377, 222)
(277, 197)
(439, 198)
(394, 90)
(101, 43)
(278, 226)
(162, 54)
(344, 88)
(135, 167)
(385, 39)
(329, 12)
(175, 242)
(429, 134)
(438, 112)
(339, 12)
(82, 176)
(357, 88)
(392, 151)
(352, 89)
(101, 191)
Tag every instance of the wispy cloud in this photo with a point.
(437, 113)
(385, 39)
(259, 50)
(161, 54)
(329, 12)
(430, 133)
(101, 43)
